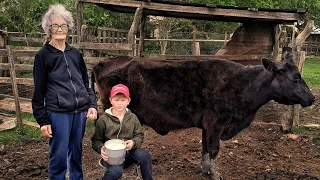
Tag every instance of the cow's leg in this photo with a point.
(213, 144)
(205, 163)
(213, 125)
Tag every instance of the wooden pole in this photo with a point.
(290, 118)
(276, 45)
(225, 38)
(79, 20)
(196, 48)
(2, 46)
(142, 35)
(15, 90)
(194, 40)
(296, 108)
(134, 28)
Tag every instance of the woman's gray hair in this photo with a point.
(59, 10)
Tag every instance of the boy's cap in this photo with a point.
(120, 88)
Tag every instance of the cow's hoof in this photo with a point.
(285, 131)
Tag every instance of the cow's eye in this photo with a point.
(280, 71)
(296, 77)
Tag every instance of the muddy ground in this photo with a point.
(258, 152)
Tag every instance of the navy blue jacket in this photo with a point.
(60, 83)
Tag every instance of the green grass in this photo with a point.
(13, 136)
(313, 134)
(311, 72)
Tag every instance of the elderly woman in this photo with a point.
(62, 99)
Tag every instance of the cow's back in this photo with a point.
(171, 94)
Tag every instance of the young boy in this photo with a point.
(119, 122)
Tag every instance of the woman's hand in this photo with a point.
(46, 131)
(104, 155)
(92, 114)
(129, 144)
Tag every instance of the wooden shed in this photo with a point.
(257, 37)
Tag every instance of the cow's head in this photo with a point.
(287, 85)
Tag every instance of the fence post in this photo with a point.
(3, 42)
(79, 6)
(15, 90)
(134, 28)
(194, 40)
(142, 35)
(290, 118)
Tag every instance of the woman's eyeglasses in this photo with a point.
(55, 27)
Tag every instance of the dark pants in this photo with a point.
(140, 157)
(66, 145)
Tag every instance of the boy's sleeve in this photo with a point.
(98, 138)
(138, 134)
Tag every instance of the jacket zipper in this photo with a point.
(74, 88)
(120, 128)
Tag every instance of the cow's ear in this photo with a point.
(269, 64)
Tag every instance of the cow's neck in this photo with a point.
(259, 88)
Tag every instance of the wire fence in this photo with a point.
(181, 43)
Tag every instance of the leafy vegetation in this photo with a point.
(26, 16)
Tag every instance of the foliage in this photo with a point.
(311, 72)
(25, 16)
(312, 6)
(95, 16)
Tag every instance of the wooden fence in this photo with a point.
(19, 59)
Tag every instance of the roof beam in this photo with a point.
(205, 12)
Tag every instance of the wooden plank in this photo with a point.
(185, 40)
(25, 81)
(31, 123)
(23, 39)
(113, 36)
(99, 35)
(20, 98)
(94, 60)
(106, 46)
(23, 59)
(206, 57)
(104, 35)
(200, 12)
(142, 34)
(276, 45)
(118, 37)
(123, 37)
(3, 52)
(18, 67)
(24, 52)
(15, 88)
(113, 29)
(79, 19)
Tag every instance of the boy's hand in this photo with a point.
(129, 144)
(92, 114)
(104, 155)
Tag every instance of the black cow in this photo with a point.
(220, 97)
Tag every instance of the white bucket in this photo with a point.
(116, 150)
